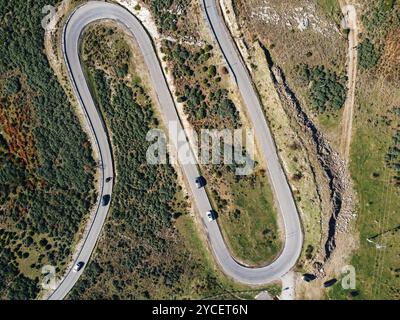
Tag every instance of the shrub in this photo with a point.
(327, 90)
(12, 85)
(369, 55)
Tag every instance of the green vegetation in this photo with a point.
(206, 104)
(13, 284)
(141, 209)
(373, 167)
(331, 8)
(46, 166)
(327, 89)
(374, 158)
(251, 227)
(12, 85)
(377, 18)
(369, 55)
(336, 292)
(165, 13)
(381, 38)
(379, 47)
(393, 157)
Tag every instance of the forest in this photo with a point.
(46, 163)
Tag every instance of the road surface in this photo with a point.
(95, 11)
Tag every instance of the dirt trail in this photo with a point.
(350, 15)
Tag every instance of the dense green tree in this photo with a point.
(369, 55)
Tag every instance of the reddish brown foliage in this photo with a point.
(390, 61)
(16, 121)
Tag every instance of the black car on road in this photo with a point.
(200, 182)
(105, 200)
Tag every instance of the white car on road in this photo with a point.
(78, 266)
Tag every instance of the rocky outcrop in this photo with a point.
(334, 182)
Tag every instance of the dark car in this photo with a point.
(200, 182)
(212, 215)
(108, 179)
(106, 200)
(330, 283)
(308, 277)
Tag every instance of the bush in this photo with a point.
(212, 71)
(377, 16)
(122, 71)
(369, 55)
(28, 241)
(12, 85)
(327, 89)
(43, 242)
(166, 19)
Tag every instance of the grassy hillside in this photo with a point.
(375, 155)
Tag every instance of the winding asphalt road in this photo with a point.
(95, 11)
